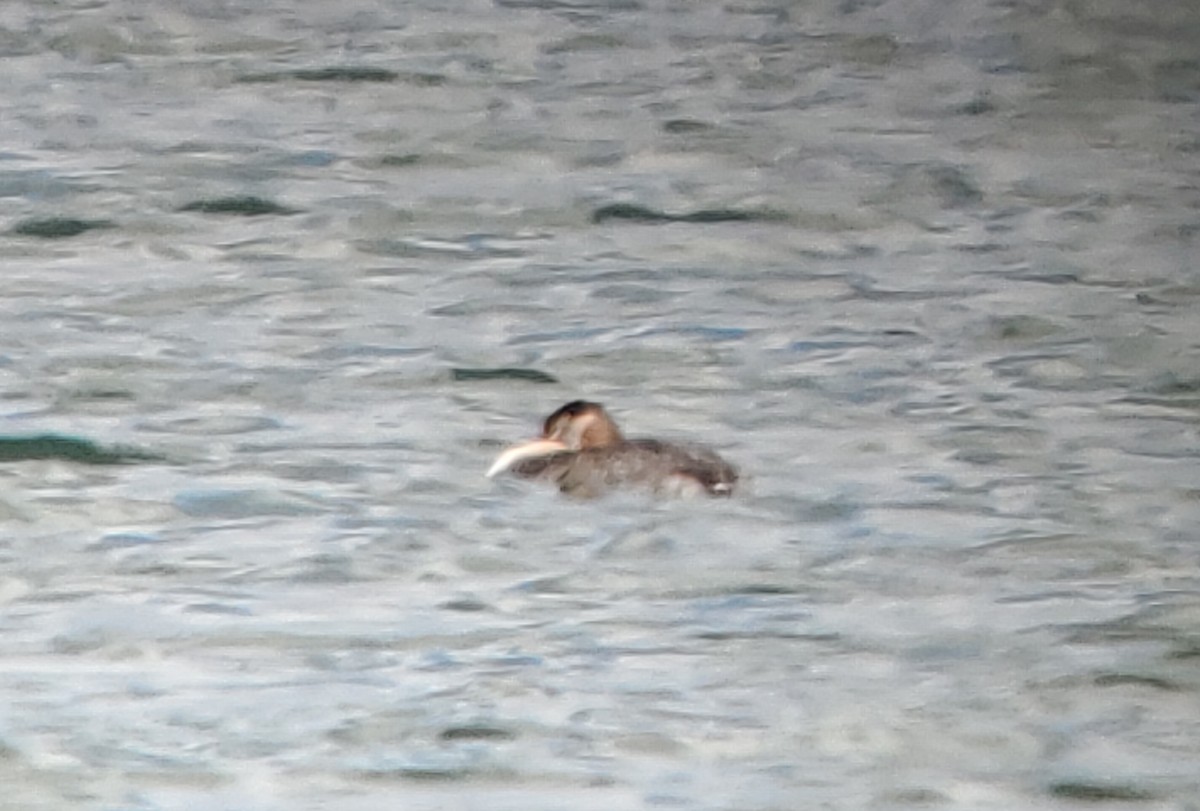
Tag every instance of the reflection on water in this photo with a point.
(924, 273)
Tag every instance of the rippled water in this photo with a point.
(925, 271)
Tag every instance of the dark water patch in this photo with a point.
(1178, 80)
(1163, 445)
(468, 605)
(101, 394)
(1021, 327)
(125, 540)
(1170, 296)
(1148, 625)
(953, 186)
(598, 154)
(239, 205)
(1085, 791)
(573, 5)
(343, 74)
(551, 584)
(1189, 146)
(755, 589)
(69, 449)
(632, 293)
(394, 161)
(1182, 232)
(839, 339)
(517, 659)
(1039, 597)
(1137, 680)
(950, 187)
(981, 248)
(57, 227)
(218, 609)
(824, 346)
(823, 512)
(1170, 383)
(980, 458)
(347, 73)
(323, 469)
(871, 50)
(642, 214)
(470, 307)
(405, 160)
(424, 774)
(628, 211)
(685, 126)
(980, 105)
(80, 641)
(502, 373)
(714, 334)
(1189, 650)
(477, 732)
(867, 290)
(329, 568)
(307, 158)
(1079, 215)
(732, 215)
(718, 635)
(1184, 406)
(915, 796)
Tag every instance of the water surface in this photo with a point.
(925, 272)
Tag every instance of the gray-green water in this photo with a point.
(926, 271)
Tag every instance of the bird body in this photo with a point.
(585, 454)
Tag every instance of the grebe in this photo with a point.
(583, 452)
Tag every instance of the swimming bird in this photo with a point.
(584, 453)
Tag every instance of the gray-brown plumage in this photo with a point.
(584, 453)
